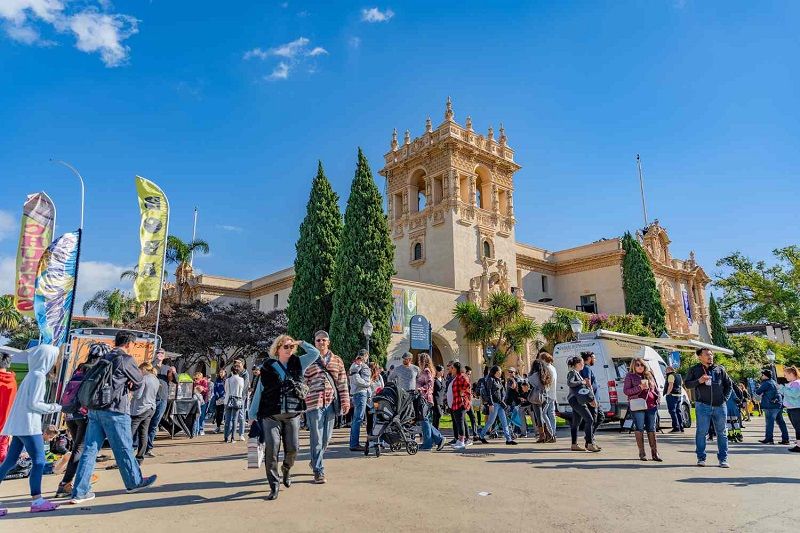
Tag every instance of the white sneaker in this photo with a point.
(701, 462)
(241, 438)
(467, 442)
(459, 445)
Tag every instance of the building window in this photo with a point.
(544, 283)
(417, 252)
(275, 302)
(487, 249)
(588, 303)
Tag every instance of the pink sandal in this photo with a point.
(44, 507)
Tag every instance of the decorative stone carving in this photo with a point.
(503, 138)
(394, 140)
(469, 123)
(428, 125)
(448, 112)
(491, 134)
(407, 138)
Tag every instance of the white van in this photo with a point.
(612, 359)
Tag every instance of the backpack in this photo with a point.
(69, 398)
(96, 389)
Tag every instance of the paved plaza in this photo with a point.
(203, 484)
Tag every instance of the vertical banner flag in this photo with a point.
(54, 294)
(154, 207)
(35, 234)
(410, 308)
(398, 307)
(687, 308)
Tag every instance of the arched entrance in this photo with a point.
(436, 356)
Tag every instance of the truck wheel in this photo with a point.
(686, 414)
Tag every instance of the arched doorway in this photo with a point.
(436, 356)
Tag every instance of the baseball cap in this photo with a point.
(321, 334)
(408, 355)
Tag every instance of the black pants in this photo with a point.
(281, 428)
(436, 415)
(77, 428)
(370, 421)
(458, 423)
(219, 415)
(581, 413)
(794, 418)
(471, 415)
(140, 423)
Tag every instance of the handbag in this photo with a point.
(235, 402)
(584, 396)
(637, 404)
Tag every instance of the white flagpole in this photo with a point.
(641, 188)
(194, 232)
(161, 283)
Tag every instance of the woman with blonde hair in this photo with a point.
(425, 382)
(278, 402)
(791, 400)
(143, 406)
(643, 399)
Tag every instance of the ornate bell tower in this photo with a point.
(451, 203)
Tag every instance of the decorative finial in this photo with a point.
(491, 134)
(503, 138)
(469, 123)
(448, 113)
(394, 139)
(407, 138)
(428, 125)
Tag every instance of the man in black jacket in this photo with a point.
(712, 386)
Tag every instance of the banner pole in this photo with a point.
(161, 282)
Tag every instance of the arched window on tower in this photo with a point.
(421, 200)
(417, 255)
(487, 249)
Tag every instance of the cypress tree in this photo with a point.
(719, 335)
(364, 270)
(639, 284)
(311, 300)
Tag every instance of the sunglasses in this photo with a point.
(288, 346)
(321, 340)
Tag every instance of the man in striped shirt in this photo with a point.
(328, 396)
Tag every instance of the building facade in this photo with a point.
(450, 205)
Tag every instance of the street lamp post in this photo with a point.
(577, 326)
(367, 330)
(771, 358)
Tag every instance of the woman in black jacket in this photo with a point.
(494, 393)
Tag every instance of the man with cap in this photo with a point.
(712, 387)
(359, 376)
(328, 397)
(405, 375)
(772, 405)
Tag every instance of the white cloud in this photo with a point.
(9, 225)
(230, 228)
(280, 72)
(374, 14)
(95, 29)
(293, 54)
(93, 276)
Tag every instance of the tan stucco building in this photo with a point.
(450, 205)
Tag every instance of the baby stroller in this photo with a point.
(393, 421)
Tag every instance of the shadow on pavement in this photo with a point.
(742, 481)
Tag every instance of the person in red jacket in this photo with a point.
(461, 394)
(8, 390)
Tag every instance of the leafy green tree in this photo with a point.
(719, 335)
(118, 306)
(755, 292)
(501, 325)
(364, 270)
(25, 331)
(10, 318)
(180, 253)
(639, 284)
(311, 300)
(557, 328)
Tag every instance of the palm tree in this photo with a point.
(558, 329)
(180, 253)
(10, 318)
(118, 306)
(501, 325)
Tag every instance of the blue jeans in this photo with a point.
(645, 420)
(34, 445)
(200, 421)
(161, 408)
(673, 405)
(772, 415)
(496, 412)
(359, 402)
(707, 415)
(320, 427)
(232, 416)
(116, 427)
(430, 435)
(549, 415)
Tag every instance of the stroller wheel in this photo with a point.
(396, 447)
(377, 450)
(412, 447)
(366, 448)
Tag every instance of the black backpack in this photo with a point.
(96, 391)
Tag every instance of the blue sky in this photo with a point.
(228, 107)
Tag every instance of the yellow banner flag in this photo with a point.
(154, 207)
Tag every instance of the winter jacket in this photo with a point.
(325, 384)
(461, 392)
(574, 382)
(791, 394)
(425, 384)
(145, 398)
(633, 389)
(770, 397)
(8, 390)
(25, 417)
(717, 393)
(126, 377)
(359, 379)
(494, 392)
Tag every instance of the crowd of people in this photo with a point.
(110, 398)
